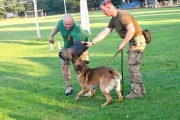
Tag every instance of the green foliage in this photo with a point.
(19, 8)
(73, 5)
(29, 6)
(32, 87)
(48, 6)
(16, 6)
(1, 13)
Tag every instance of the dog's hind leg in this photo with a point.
(106, 86)
(105, 90)
(118, 90)
(108, 97)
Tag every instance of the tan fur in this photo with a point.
(89, 79)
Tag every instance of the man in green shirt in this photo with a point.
(70, 32)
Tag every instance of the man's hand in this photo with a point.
(51, 40)
(88, 44)
(121, 47)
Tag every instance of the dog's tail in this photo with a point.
(115, 74)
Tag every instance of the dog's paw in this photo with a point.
(104, 104)
(120, 99)
(107, 103)
(77, 98)
(92, 95)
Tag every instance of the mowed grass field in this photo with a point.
(32, 87)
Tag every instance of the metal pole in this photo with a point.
(65, 6)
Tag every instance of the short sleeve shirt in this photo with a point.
(121, 21)
(72, 35)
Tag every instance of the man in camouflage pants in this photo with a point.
(135, 55)
(129, 30)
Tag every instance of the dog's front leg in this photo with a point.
(81, 93)
(83, 86)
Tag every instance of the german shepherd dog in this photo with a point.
(89, 79)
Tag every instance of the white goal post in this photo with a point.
(36, 16)
(35, 13)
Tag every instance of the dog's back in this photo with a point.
(107, 72)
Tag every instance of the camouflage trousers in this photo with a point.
(134, 65)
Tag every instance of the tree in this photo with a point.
(58, 6)
(20, 9)
(42, 4)
(15, 6)
(72, 5)
(53, 6)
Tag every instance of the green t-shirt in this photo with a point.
(72, 35)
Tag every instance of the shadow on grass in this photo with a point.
(40, 96)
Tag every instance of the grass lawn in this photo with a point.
(32, 87)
